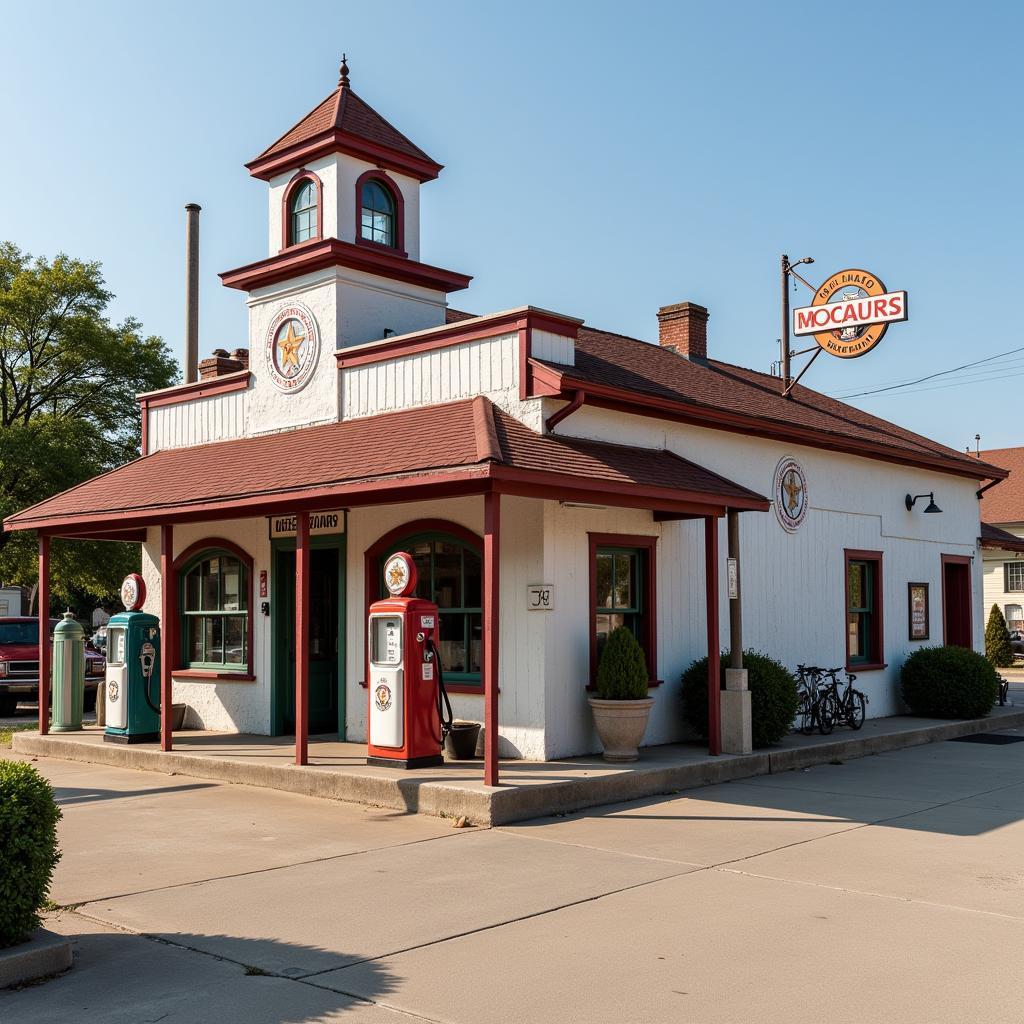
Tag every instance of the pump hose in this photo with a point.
(155, 708)
(444, 705)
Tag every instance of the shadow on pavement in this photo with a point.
(67, 795)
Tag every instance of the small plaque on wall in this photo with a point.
(540, 597)
(917, 602)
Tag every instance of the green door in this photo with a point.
(325, 648)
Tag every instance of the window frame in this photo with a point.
(436, 529)
(647, 547)
(1007, 589)
(398, 202)
(201, 551)
(875, 659)
(299, 179)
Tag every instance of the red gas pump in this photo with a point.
(409, 714)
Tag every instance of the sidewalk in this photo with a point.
(338, 771)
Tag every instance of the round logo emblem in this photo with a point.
(293, 348)
(790, 494)
(846, 286)
(400, 574)
(133, 592)
(382, 696)
(112, 690)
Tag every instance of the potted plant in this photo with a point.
(621, 707)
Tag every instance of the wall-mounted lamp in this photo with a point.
(932, 508)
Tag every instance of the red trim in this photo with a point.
(336, 141)
(377, 174)
(491, 595)
(168, 632)
(457, 333)
(302, 638)
(877, 639)
(197, 548)
(714, 642)
(960, 610)
(649, 640)
(371, 560)
(130, 536)
(221, 385)
(639, 404)
(307, 257)
(286, 199)
(144, 416)
(45, 648)
(567, 410)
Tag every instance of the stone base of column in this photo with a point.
(737, 737)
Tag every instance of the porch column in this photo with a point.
(714, 665)
(168, 622)
(302, 638)
(492, 544)
(45, 648)
(736, 730)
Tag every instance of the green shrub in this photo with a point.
(773, 699)
(948, 682)
(622, 671)
(28, 848)
(998, 648)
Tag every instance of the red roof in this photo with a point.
(614, 369)
(1004, 503)
(345, 122)
(472, 446)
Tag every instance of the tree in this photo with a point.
(998, 648)
(68, 381)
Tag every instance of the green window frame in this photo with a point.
(214, 610)
(377, 214)
(304, 213)
(863, 600)
(450, 574)
(619, 576)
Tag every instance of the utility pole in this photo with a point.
(784, 339)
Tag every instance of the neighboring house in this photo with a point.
(1002, 536)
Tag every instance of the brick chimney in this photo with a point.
(220, 363)
(684, 327)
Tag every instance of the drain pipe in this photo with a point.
(192, 292)
(567, 410)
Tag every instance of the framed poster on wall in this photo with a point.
(917, 610)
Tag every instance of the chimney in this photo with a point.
(684, 328)
(220, 363)
(192, 292)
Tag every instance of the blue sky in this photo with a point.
(602, 159)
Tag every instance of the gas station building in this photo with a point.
(551, 481)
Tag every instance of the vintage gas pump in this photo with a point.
(410, 714)
(132, 687)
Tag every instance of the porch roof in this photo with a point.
(465, 447)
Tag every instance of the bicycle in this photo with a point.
(817, 708)
(849, 706)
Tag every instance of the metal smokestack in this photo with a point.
(192, 292)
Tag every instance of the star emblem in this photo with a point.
(289, 346)
(794, 488)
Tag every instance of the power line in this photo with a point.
(986, 379)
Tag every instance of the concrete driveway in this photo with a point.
(885, 889)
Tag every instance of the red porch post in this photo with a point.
(302, 638)
(168, 621)
(45, 648)
(714, 652)
(492, 544)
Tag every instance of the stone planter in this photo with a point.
(621, 725)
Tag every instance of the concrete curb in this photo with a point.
(45, 953)
(509, 803)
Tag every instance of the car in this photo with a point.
(19, 663)
(1017, 643)
(99, 639)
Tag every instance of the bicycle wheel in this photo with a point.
(827, 713)
(858, 710)
(805, 715)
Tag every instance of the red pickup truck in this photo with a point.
(19, 664)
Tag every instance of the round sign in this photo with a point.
(400, 574)
(133, 592)
(382, 696)
(849, 285)
(790, 494)
(293, 348)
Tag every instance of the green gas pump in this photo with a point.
(132, 689)
(68, 675)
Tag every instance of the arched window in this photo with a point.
(377, 213)
(450, 574)
(302, 219)
(215, 597)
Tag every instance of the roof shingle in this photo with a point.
(1004, 503)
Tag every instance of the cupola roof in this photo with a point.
(344, 123)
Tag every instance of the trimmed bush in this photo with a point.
(948, 682)
(773, 696)
(28, 848)
(622, 671)
(998, 648)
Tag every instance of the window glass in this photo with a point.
(303, 213)
(377, 214)
(619, 586)
(1014, 616)
(862, 641)
(215, 597)
(1014, 572)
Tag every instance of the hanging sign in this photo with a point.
(133, 592)
(732, 575)
(850, 313)
(320, 523)
(400, 574)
